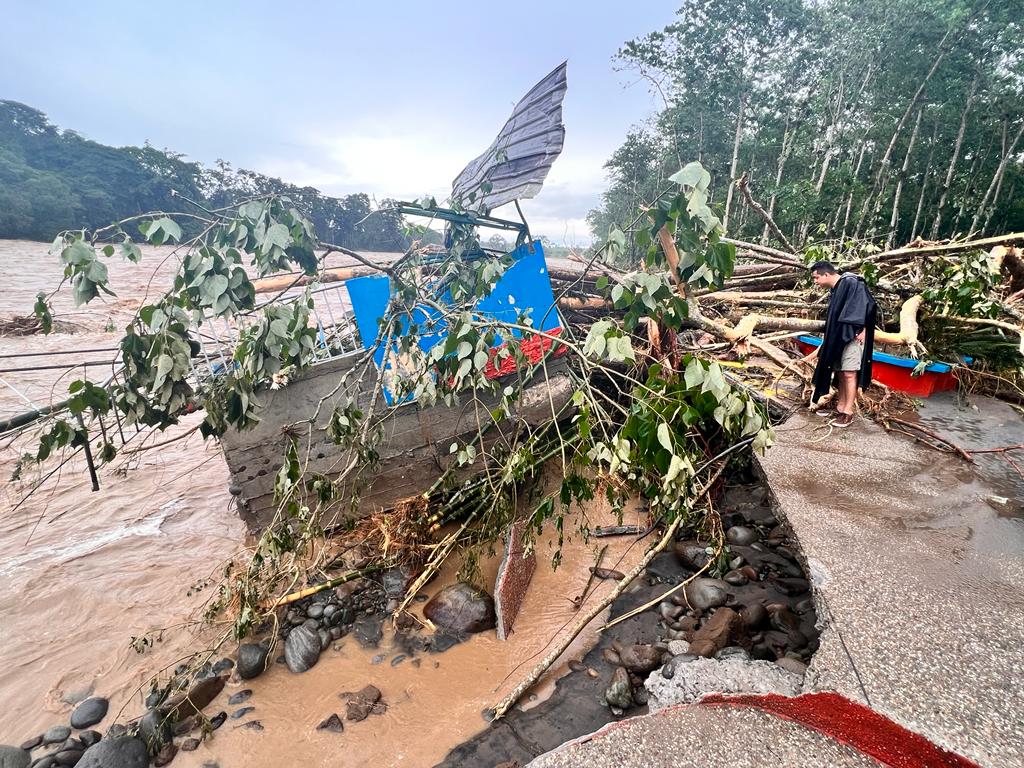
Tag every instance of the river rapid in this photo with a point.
(83, 572)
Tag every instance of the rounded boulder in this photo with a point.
(461, 609)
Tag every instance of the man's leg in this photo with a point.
(847, 392)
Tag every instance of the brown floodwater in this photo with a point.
(83, 572)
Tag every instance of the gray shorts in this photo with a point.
(852, 355)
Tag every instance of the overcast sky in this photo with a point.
(389, 98)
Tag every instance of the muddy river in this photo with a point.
(83, 572)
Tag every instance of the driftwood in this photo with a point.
(284, 282)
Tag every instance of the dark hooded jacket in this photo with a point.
(850, 308)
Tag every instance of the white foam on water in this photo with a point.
(147, 526)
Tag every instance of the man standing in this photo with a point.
(844, 357)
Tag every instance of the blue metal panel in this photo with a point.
(525, 286)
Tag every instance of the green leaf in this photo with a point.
(214, 286)
(276, 235)
(665, 437)
(694, 374)
(164, 365)
(78, 253)
(131, 251)
(692, 175)
(251, 210)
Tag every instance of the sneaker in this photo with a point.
(842, 420)
(825, 412)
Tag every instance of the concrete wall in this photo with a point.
(415, 448)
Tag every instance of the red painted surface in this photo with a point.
(928, 383)
(533, 348)
(899, 378)
(853, 724)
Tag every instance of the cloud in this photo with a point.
(406, 158)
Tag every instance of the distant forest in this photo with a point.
(54, 179)
(881, 119)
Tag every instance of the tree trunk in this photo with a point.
(783, 155)
(887, 157)
(978, 159)
(894, 218)
(735, 159)
(951, 170)
(997, 177)
(924, 180)
(853, 184)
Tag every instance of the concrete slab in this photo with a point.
(704, 737)
(919, 582)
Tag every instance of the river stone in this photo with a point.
(185, 705)
(315, 611)
(361, 703)
(56, 734)
(754, 615)
(724, 628)
(703, 594)
(45, 762)
(332, 724)
(640, 658)
(461, 608)
(122, 752)
(13, 757)
(252, 660)
(302, 649)
(619, 693)
(677, 647)
(88, 738)
(155, 729)
(692, 554)
(736, 578)
(165, 755)
(68, 757)
(241, 696)
(89, 712)
(742, 536)
(32, 743)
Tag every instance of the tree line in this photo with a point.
(52, 180)
(850, 119)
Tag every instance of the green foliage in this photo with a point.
(82, 266)
(214, 280)
(281, 339)
(86, 396)
(60, 435)
(41, 309)
(52, 179)
(818, 95)
(157, 356)
(962, 285)
(671, 420)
